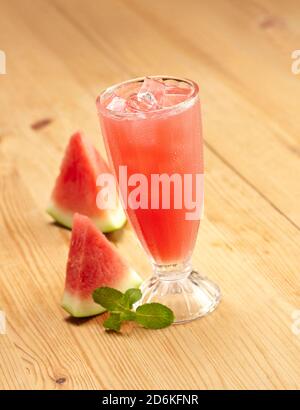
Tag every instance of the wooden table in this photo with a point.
(60, 54)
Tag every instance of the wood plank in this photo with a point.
(238, 87)
(273, 150)
(31, 294)
(237, 333)
(217, 335)
(244, 243)
(231, 37)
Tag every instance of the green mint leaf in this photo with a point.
(109, 298)
(154, 316)
(149, 315)
(113, 322)
(127, 315)
(131, 296)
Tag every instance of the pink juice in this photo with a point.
(156, 136)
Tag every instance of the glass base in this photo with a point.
(189, 294)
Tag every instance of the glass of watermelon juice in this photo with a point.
(153, 137)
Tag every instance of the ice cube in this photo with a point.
(135, 104)
(175, 93)
(117, 104)
(151, 92)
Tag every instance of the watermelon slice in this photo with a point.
(76, 191)
(93, 262)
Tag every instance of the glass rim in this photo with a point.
(101, 108)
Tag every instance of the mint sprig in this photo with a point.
(148, 315)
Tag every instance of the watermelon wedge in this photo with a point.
(93, 262)
(75, 188)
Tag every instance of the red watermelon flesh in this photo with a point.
(76, 190)
(93, 262)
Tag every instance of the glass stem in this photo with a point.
(173, 272)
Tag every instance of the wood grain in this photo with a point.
(60, 54)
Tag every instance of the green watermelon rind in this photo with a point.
(111, 220)
(79, 308)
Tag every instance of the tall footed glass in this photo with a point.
(153, 137)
